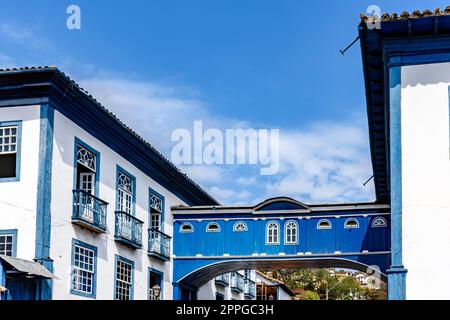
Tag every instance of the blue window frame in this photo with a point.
(156, 208)
(126, 191)
(8, 242)
(10, 150)
(123, 278)
(86, 168)
(155, 277)
(84, 269)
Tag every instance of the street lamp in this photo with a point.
(156, 290)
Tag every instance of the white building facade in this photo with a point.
(240, 285)
(83, 195)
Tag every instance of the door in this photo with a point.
(87, 204)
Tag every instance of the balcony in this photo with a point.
(223, 280)
(158, 244)
(128, 230)
(249, 288)
(89, 211)
(237, 282)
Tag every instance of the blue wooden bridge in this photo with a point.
(277, 233)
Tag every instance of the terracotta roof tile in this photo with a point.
(416, 14)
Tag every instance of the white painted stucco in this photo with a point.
(18, 199)
(426, 179)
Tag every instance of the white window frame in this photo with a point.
(295, 229)
(346, 226)
(240, 230)
(384, 225)
(186, 224)
(329, 227)
(270, 236)
(208, 227)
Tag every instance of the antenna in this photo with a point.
(364, 184)
(349, 46)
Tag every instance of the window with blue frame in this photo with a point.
(124, 278)
(10, 137)
(125, 191)
(8, 242)
(156, 210)
(84, 269)
(155, 284)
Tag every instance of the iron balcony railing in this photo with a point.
(158, 244)
(237, 282)
(89, 211)
(250, 288)
(223, 279)
(128, 229)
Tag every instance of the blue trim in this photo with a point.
(44, 196)
(396, 272)
(161, 281)
(120, 258)
(94, 282)
(97, 164)
(119, 169)
(12, 232)
(163, 210)
(17, 123)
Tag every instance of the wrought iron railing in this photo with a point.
(89, 210)
(158, 243)
(223, 279)
(237, 281)
(249, 288)
(128, 229)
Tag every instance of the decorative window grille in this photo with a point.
(83, 270)
(124, 280)
(86, 158)
(379, 222)
(125, 193)
(291, 232)
(156, 209)
(8, 140)
(6, 244)
(272, 233)
(240, 227)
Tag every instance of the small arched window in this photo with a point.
(324, 224)
(273, 233)
(213, 227)
(291, 231)
(186, 227)
(379, 222)
(240, 227)
(351, 223)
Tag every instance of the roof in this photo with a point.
(30, 268)
(278, 283)
(27, 83)
(412, 28)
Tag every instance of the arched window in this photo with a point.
(291, 231)
(213, 227)
(379, 222)
(324, 224)
(240, 227)
(186, 227)
(351, 223)
(273, 233)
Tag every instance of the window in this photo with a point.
(125, 191)
(84, 265)
(186, 227)
(10, 133)
(272, 233)
(240, 227)
(86, 168)
(351, 223)
(124, 279)
(324, 224)
(156, 210)
(291, 232)
(213, 227)
(155, 284)
(379, 222)
(8, 242)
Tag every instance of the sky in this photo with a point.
(160, 65)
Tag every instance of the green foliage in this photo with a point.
(309, 295)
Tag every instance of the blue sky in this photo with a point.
(161, 64)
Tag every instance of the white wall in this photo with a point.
(208, 290)
(18, 199)
(426, 180)
(63, 230)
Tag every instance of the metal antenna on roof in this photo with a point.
(349, 46)
(364, 184)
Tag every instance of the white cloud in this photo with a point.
(25, 36)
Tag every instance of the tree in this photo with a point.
(309, 295)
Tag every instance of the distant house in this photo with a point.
(268, 288)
